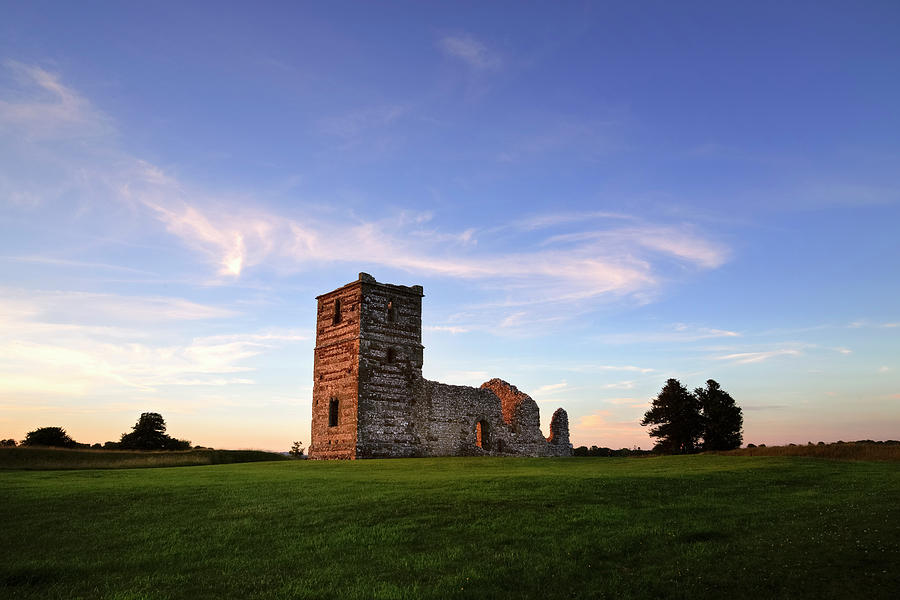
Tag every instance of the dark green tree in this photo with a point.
(11, 443)
(722, 417)
(149, 433)
(678, 423)
(49, 436)
(296, 450)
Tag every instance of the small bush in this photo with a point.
(296, 450)
(49, 436)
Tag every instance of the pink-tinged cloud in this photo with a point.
(616, 258)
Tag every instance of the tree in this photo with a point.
(149, 433)
(722, 417)
(296, 450)
(49, 436)
(675, 412)
(10, 443)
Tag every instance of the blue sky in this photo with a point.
(595, 196)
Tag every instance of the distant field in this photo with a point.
(65, 458)
(842, 451)
(668, 527)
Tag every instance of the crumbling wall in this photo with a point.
(558, 441)
(449, 415)
(522, 416)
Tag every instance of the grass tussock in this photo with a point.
(837, 451)
(36, 458)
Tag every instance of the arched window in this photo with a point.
(482, 435)
(337, 312)
(333, 412)
(390, 311)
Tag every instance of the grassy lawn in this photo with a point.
(671, 527)
(65, 458)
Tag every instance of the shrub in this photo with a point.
(49, 436)
(296, 450)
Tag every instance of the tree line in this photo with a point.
(685, 422)
(149, 433)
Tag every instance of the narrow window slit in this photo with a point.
(333, 412)
(337, 311)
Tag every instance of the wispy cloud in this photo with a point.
(54, 110)
(76, 360)
(61, 307)
(471, 51)
(544, 221)
(607, 264)
(82, 365)
(602, 260)
(755, 357)
(605, 368)
(674, 241)
(550, 388)
(61, 262)
(677, 333)
(72, 343)
(860, 323)
(447, 328)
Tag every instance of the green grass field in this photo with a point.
(669, 527)
(42, 458)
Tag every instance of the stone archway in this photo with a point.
(483, 435)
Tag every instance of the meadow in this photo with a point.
(663, 527)
(839, 450)
(42, 458)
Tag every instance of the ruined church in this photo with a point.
(371, 401)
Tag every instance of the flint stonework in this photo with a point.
(371, 401)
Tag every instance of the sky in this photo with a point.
(595, 196)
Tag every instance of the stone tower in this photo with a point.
(371, 401)
(367, 370)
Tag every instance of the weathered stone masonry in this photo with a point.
(371, 401)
